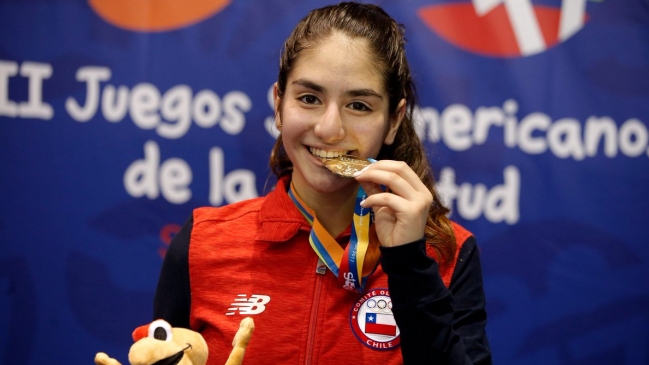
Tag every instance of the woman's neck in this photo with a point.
(334, 210)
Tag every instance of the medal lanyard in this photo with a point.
(353, 265)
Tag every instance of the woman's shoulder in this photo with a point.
(464, 242)
(461, 234)
(229, 212)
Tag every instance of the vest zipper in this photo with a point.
(315, 304)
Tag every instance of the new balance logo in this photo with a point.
(255, 305)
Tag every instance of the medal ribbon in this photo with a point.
(353, 265)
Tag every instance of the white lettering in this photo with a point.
(114, 103)
(235, 186)
(426, 118)
(143, 179)
(535, 133)
(145, 101)
(35, 107)
(511, 108)
(175, 177)
(206, 108)
(471, 208)
(8, 69)
(532, 122)
(140, 176)
(633, 138)
(92, 75)
(446, 187)
(269, 122)
(176, 106)
(235, 103)
(484, 119)
(502, 201)
(169, 114)
(564, 139)
(499, 204)
(456, 125)
(596, 129)
(350, 283)
(494, 116)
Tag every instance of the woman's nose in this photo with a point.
(329, 128)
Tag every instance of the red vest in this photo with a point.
(253, 259)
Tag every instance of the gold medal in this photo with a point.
(345, 166)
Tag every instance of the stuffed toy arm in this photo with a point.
(103, 359)
(241, 339)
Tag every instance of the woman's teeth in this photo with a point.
(326, 154)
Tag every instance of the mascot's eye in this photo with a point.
(160, 330)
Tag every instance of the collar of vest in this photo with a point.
(279, 218)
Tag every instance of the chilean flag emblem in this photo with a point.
(380, 324)
(373, 322)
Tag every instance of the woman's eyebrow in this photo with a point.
(363, 92)
(349, 93)
(310, 85)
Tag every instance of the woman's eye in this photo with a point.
(358, 106)
(309, 99)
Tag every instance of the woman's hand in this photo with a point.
(401, 213)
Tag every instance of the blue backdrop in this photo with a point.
(119, 117)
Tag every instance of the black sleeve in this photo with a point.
(437, 325)
(172, 298)
(470, 315)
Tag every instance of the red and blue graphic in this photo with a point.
(505, 28)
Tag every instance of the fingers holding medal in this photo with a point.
(400, 214)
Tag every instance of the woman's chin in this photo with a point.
(323, 181)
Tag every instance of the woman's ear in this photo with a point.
(395, 122)
(277, 103)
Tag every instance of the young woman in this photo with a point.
(326, 282)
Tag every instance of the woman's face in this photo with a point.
(335, 103)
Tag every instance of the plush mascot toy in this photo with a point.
(158, 343)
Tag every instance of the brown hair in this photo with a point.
(386, 42)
